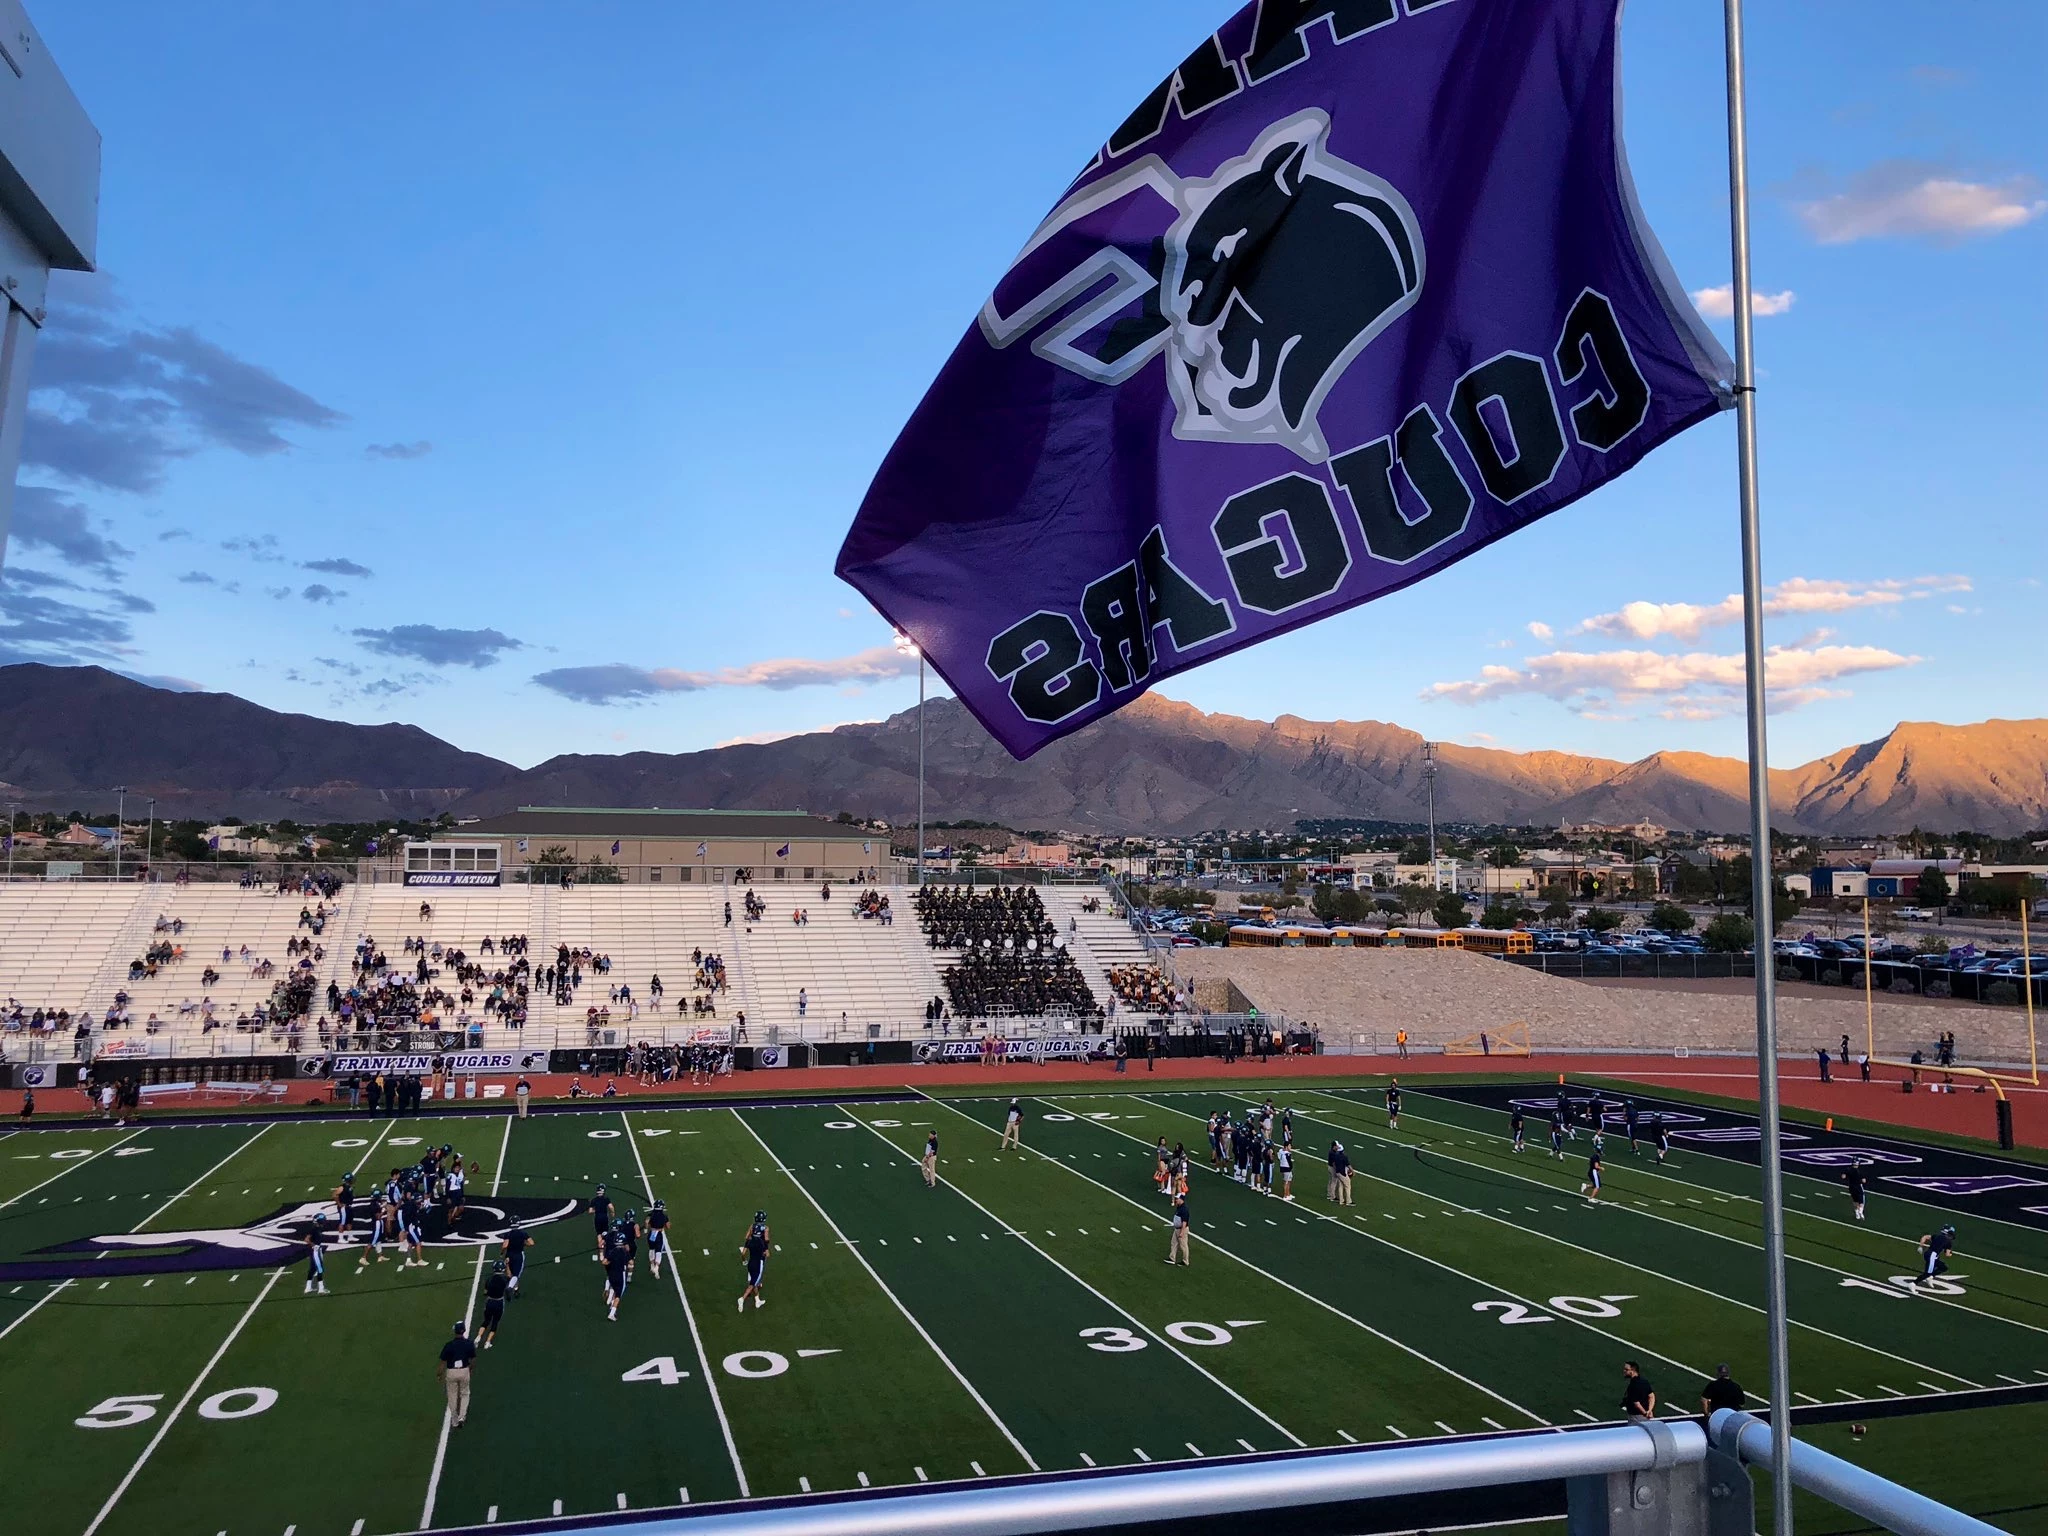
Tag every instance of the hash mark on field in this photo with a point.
(804, 1483)
(1090, 1460)
(1440, 1424)
(1852, 1396)
(1585, 1415)
(2001, 1376)
(1930, 1386)
(1494, 1422)
(863, 1478)
(683, 1494)
(1812, 1399)
(1193, 1447)
(558, 1506)
(1345, 1435)
(357, 1528)
(1139, 1452)
(622, 1501)
(920, 1474)
(1393, 1429)
(977, 1469)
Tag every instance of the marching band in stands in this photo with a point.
(1011, 962)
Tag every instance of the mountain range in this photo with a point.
(1158, 767)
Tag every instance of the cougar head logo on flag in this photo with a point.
(1282, 268)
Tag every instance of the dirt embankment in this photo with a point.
(1444, 995)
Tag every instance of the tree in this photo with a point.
(1600, 920)
(1670, 917)
(1556, 911)
(1729, 934)
(1449, 910)
(1324, 901)
(1932, 889)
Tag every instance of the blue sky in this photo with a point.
(441, 349)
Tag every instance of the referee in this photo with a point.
(457, 1356)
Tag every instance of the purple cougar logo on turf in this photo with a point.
(1280, 270)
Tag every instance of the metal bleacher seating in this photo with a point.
(870, 972)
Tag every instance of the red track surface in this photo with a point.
(1964, 1113)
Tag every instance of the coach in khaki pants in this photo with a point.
(458, 1355)
(522, 1091)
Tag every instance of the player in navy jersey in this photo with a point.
(316, 1256)
(1936, 1249)
(1394, 1104)
(497, 1286)
(601, 1216)
(513, 1247)
(1591, 1188)
(657, 1236)
(1515, 1127)
(755, 1250)
(1857, 1180)
(617, 1268)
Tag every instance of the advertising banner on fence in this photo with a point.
(452, 877)
(1024, 1048)
(351, 1064)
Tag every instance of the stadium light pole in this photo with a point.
(149, 843)
(13, 810)
(910, 647)
(120, 813)
(1429, 783)
(1759, 785)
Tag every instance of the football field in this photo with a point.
(162, 1370)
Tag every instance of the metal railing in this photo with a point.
(1156, 1496)
(1644, 1478)
(1843, 1483)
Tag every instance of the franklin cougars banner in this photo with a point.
(1360, 288)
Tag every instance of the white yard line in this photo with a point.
(1651, 1171)
(908, 1316)
(216, 1168)
(1492, 1286)
(49, 1297)
(1268, 1274)
(468, 1314)
(70, 1166)
(1643, 1269)
(1158, 1338)
(675, 1272)
(1724, 1237)
(191, 1392)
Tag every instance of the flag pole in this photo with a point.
(1759, 788)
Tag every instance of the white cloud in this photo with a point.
(763, 738)
(1695, 685)
(1907, 199)
(1539, 629)
(1797, 595)
(616, 681)
(1719, 303)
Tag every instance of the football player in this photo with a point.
(756, 1249)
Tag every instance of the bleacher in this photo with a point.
(648, 931)
(1098, 940)
(216, 917)
(56, 936)
(69, 946)
(871, 972)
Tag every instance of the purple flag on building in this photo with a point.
(1358, 290)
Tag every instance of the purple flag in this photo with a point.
(1358, 290)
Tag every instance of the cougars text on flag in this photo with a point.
(1360, 288)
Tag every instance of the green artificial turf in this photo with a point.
(1019, 1317)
